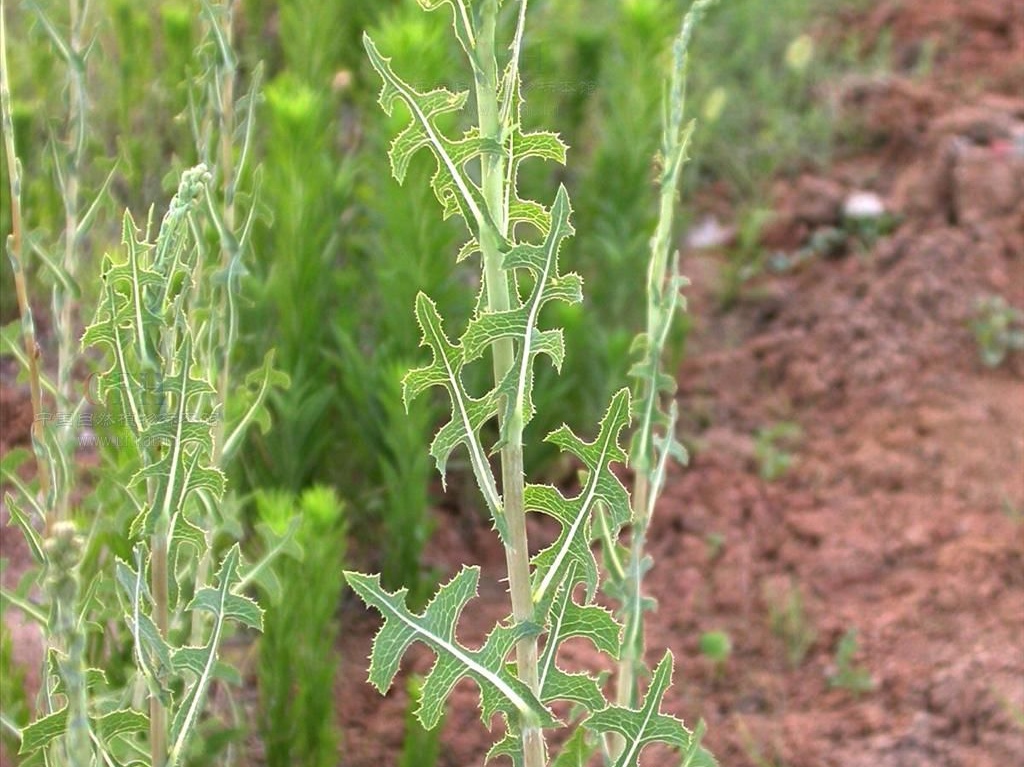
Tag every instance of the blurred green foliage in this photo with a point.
(14, 705)
(421, 747)
(756, 74)
(297, 721)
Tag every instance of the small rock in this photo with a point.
(710, 233)
(863, 205)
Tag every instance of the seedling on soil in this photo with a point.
(714, 545)
(770, 445)
(788, 620)
(998, 330)
(716, 646)
(1012, 511)
(848, 675)
(552, 593)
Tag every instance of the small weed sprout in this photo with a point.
(770, 445)
(716, 646)
(788, 620)
(1014, 711)
(847, 675)
(1012, 511)
(998, 330)
(714, 544)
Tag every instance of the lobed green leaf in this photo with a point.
(572, 548)
(469, 414)
(639, 728)
(500, 690)
(565, 620)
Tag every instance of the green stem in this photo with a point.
(226, 72)
(63, 555)
(158, 585)
(67, 340)
(15, 252)
(661, 307)
(632, 646)
(496, 281)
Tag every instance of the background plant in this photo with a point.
(83, 719)
(749, 141)
(155, 433)
(716, 647)
(395, 246)
(307, 185)
(771, 446)
(606, 88)
(297, 660)
(420, 747)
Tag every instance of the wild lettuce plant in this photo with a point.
(139, 560)
(553, 593)
(160, 407)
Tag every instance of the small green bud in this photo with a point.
(63, 549)
(799, 53)
(716, 646)
(714, 105)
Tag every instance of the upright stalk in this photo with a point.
(493, 181)
(15, 252)
(520, 278)
(70, 183)
(158, 580)
(649, 460)
(226, 115)
(70, 193)
(659, 282)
